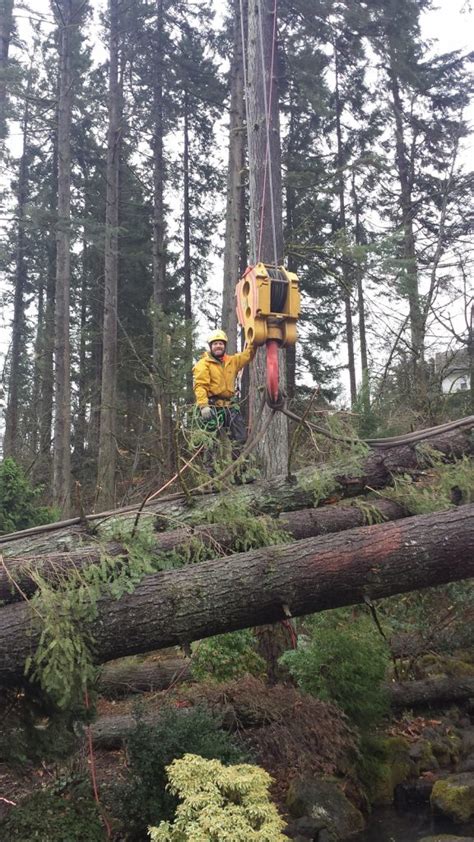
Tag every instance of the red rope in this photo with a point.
(269, 99)
(93, 770)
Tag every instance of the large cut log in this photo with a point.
(261, 586)
(18, 574)
(439, 691)
(271, 497)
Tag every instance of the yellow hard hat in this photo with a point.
(216, 336)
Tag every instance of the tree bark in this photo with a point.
(161, 338)
(271, 497)
(41, 472)
(11, 437)
(188, 311)
(62, 351)
(346, 279)
(120, 678)
(235, 185)
(301, 524)
(266, 230)
(439, 691)
(108, 408)
(174, 607)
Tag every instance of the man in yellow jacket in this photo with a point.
(214, 388)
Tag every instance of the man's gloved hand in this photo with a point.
(206, 413)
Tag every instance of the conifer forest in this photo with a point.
(236, 422)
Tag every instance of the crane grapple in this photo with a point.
(268, 306)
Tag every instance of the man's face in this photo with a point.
(217, 348)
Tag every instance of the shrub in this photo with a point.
(344, 661)
(18, 507)
(145, 800)
(227, 656)
(48, 817)
(220, 803)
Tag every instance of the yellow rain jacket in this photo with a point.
(216, 378)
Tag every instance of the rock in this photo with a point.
(467, 741)
(397, 768)
(467, 765)
(454, 796)
(320, 805)
(421, 753)
(447, 838)
(412, 793)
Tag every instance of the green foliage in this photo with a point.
(48, 817)
(63, 662)
(145, 799)
(344, 661)
(245, 530)
(18, 507)
(342, 452)
(227, 656)
(431, 620)
(220, 803)
(31, 732)
(446, 483)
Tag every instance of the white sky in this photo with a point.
(450, 24)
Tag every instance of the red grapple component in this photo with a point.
(272, 369)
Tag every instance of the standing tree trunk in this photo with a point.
(10, 441)
(42, 467)
(364, 358)
(405, 177)
(62, 382)
(188, 313)
(266, 231)
(6, 26)
(235, 209)
(346, 278)
(108, 408)
(161, 365)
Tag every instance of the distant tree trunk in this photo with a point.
(470, 351)
(405, 177)
(42, 467)
(62, 413)
(188, 313)
(364, 359)
(6, 26)
(162, 401)
(108, 408)
(36, 390)
(235, 209)
(266, 231)
(346, 275)
(80, 425)
(10, 441)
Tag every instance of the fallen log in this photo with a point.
(110, 731)
(438, 692)
(270, 497)
(262, 586)
(18, 575)
(122, 678)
